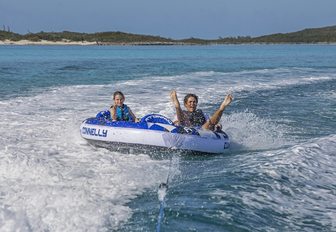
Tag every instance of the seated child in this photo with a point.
(120, 111)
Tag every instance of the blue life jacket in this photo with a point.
(123, 114)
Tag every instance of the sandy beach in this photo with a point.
(85, 43)
(45, 42)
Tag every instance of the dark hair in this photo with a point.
(190, 95)
(118, 93)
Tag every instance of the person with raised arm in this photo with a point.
(193, 117)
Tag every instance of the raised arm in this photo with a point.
(214, 119)
(179, 113)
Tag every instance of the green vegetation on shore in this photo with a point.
(313, 35)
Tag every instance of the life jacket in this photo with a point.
(195, 118)
(123, 114)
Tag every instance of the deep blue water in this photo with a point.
(279, 174)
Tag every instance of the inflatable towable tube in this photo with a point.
(153, 130)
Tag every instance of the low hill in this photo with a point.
(101, 37)
(312, 35)
(9, 35)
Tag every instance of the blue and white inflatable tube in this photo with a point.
(153, 130)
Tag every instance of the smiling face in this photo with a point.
(119, 100)
(191, 104)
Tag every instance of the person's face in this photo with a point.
(119, 100)
(191, 104)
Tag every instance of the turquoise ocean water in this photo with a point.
(279, 174)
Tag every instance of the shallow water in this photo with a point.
(277, 175)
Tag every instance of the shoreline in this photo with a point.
(87, 43)
(45, 42)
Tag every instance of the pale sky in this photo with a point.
(176, 19)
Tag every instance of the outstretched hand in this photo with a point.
(173, 97)
(228, 99)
